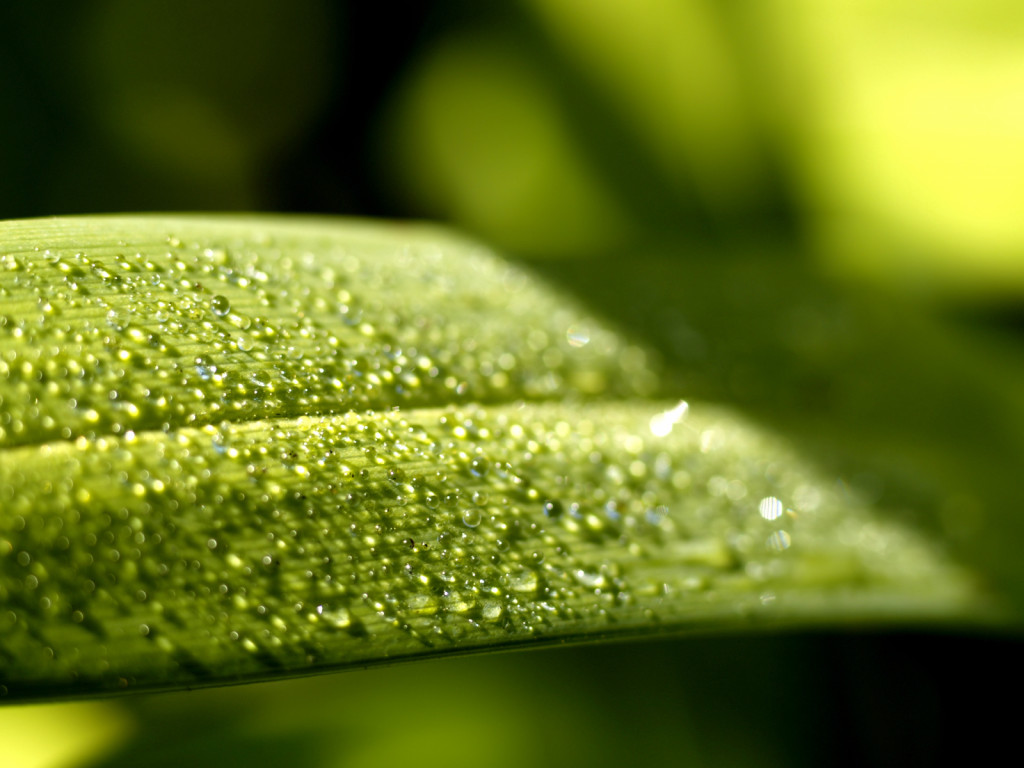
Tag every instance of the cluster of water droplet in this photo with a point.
(158, 333)
(231, 457)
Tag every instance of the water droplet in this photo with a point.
(592, 579)
(338, 617)
(116, 320)
(491, 610)
(205, 369)
(471, 517)
(552, 509)
(522, 580)
(457, 602)
(220, 305)
(422, 605)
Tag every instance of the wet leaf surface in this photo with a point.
(236, 449)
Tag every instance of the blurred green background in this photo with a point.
(813, 210)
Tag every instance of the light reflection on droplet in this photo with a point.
(779, 541)
(662, 423)
(770, 508)
(577, 336)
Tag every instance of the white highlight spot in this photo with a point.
(662, 423)
(770, 508)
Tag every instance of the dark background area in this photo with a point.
(905, 365)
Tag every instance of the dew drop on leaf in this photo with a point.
(220, 305)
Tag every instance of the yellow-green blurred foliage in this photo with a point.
(479, 136)
(906, 135)
(896, 128)
(62, 735)
(888, 135)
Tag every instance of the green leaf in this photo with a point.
(240, 448)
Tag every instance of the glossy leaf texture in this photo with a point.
(240, 448)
